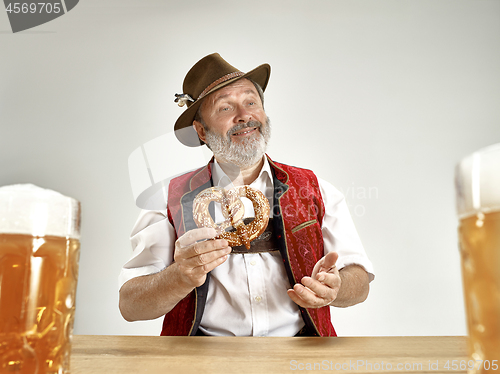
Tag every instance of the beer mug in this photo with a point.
(477, 180)
(39, 253)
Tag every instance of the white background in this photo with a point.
(381, 98)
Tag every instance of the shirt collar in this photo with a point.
(221, 179)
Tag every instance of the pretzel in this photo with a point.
(233, 211)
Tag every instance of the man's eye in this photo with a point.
(224, 109)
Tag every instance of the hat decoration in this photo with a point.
(182, 99)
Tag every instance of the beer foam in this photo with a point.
(477, 180)
(32, 210)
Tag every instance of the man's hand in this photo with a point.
(196, 258)
(321, 288)
(154, 295)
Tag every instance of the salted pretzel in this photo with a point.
(233, 211)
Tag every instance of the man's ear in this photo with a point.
(198, 126)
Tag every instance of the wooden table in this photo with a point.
(98, 354)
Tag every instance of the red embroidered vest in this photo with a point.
(297, 215)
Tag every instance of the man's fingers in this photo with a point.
(195, 235)
(321, 288)
(208, 257)
(195, 268)
(295, 298)
(316, 293)
(305, 297)
(207, 267)
(318, 288)
(202, 248)
(202, 253)
(329, 261)
(325, 263)
(196, 256)
(199, 248)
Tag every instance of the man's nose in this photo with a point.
(243, 115)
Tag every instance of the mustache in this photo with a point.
(233, 130)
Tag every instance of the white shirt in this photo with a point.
(247, 293)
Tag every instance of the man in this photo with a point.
(284, 285)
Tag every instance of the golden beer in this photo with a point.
(477, 186)
(39, 253)
(38, 277)
(480, 251)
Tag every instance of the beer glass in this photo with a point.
(39, 253)
(477, 180)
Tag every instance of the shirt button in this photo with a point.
(258, 299)
(253, 263)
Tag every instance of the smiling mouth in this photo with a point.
(245, 131)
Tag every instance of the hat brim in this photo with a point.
(184, 129)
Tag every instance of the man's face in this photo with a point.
(236, 127)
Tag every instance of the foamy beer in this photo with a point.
(478, 205)
(39, 252)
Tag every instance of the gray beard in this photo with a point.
(243, 154)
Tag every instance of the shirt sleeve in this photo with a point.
(153, 240)
(339, 232)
